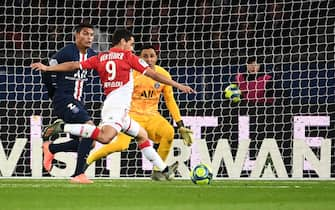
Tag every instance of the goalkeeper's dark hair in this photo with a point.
(121, 34)
(80, 27)
(148, 46)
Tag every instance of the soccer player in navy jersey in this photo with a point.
(65, 89)
(115, 70)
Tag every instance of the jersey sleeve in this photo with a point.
(47, 77)
(137, 63)
(91, 63)
(54, 60)
(170, 101)
(61, 56)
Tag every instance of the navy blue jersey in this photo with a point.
(66, 88)
(70, 84)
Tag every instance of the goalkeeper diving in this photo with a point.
(144, 110)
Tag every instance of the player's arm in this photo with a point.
(163, 79)
(90, 63)
(141, 66)
(171, 104)
(67, 66)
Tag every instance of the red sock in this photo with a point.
(95, 133)
(144, 144)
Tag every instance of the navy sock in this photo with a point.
(84, 149)
(70, 146)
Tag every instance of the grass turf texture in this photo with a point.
(44, 194)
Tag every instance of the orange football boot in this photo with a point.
(47, 156)
(81, 179)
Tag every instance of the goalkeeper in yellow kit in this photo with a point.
(144, 110)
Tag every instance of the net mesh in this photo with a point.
(204, 44)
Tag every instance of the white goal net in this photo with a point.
(206, 44)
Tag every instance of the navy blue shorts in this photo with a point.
(70, 110)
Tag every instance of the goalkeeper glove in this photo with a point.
(185, 133)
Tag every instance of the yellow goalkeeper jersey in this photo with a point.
(146, 95)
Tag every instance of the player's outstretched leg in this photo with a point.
(83, 150)
(171, 171)
(53, 129)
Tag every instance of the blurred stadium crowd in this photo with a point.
(186, 33)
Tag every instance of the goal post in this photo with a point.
(204, 44)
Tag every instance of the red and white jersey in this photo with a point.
(114, 68)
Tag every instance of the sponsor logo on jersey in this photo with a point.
(113, 84)
(79, 75)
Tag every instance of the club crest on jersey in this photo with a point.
(157, 85)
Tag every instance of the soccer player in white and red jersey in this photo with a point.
(115, 70)
(144, 110)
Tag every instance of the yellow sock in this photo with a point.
(96, 156)
(164, 149)
(121, 143)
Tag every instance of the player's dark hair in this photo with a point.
(121, 34)
(146, 47)
(259, 60)
(251, 59)
(80, 27)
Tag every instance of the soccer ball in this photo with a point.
(201, 174)
(233, 92)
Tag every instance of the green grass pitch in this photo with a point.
(144, 194)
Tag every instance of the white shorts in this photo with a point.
(115, 112)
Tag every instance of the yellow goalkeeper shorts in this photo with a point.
(156, 126)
